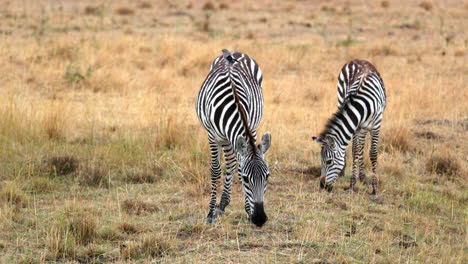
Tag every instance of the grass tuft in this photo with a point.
(11, 193)
(426, 5)
(154, 246)
(137, 207)
(71, 230)
(190, 231)
(145, 5)
(41, 185)
(83, 228)
(125, 11)
(209, 6)
(140, 176)
(95, 175)
(110, 234)
(61, 165)
(397, 138)
(444, 165)
(129, 228)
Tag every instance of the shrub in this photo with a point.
(444, 165)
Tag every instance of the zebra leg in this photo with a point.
(215, 176)
(362, 171)
(231, 162)
(358, 147)
(373, 157)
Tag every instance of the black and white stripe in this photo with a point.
(361, 103)
(230, 107)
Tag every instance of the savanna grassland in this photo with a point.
(102, 158)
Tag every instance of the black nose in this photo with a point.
(328, 187)
(259, 217)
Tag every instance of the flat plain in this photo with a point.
(102, 158)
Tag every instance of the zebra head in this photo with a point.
(332, 160)
(254, 173)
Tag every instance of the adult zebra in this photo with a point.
(361, 103)
(230, 107)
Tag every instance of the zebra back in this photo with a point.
(239, 81)
(351, 78)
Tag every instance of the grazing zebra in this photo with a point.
(361, 103)
(230, 107)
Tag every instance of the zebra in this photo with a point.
(230, 107)
(361, 103)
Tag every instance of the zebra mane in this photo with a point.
(243, 115)
(333, 120)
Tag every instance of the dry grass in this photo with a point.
(208, 5)
(129, 228)
(104, 99)
(61, 165)
(94, 174)
(11, 193)
(68, 233)
(445, 164)
(426, 5)
(152, 246)
(397, 138)
(137, 207)
(125, 11)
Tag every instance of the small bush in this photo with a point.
(125, 11)
(209, 6)
(385, 4)
(223, 6)
(61, 165)
(426, 5)
(444, 165)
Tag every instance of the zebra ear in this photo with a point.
(318, 140)
(265, 143)
(242, 146)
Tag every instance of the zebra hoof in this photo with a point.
(219, 212)
(349, 191)
(210, 220)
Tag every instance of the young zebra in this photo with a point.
(361, 103)
(230, 107)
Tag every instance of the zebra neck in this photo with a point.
(243, 116)
(344, 123)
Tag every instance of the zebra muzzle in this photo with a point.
(324, 185)
(259, 217)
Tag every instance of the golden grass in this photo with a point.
(105, 101)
